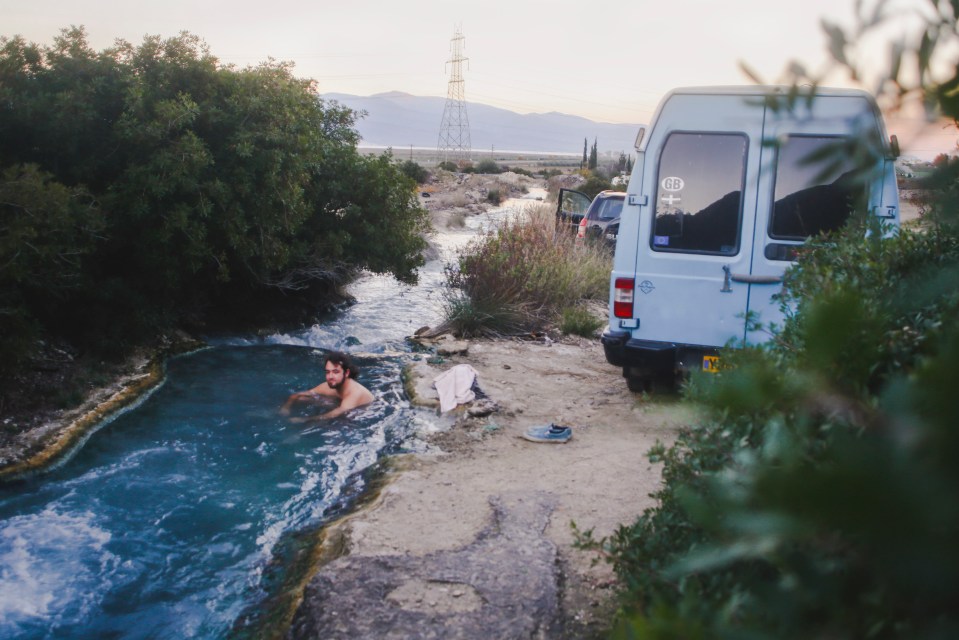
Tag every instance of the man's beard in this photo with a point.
(337, 386)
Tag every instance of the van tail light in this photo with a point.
(623, 291)
(581, 232)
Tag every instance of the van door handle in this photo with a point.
(751, 279)
(729, 276)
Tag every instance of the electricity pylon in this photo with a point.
(454, 140)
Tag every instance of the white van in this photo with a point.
(723, 191)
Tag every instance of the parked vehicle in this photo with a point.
(603, 212)
(723, 191)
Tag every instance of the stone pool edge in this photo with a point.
(51, 444)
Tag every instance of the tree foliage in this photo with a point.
(415, 171)
(166, 186)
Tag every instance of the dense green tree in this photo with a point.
(214, 185)
(46, 232)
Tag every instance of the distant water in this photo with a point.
(168, 520)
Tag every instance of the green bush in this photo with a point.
(494, 196)
(414, 171)
(819, 498)
(530, 270)
(483, 316)
(594, 184)
(579, 320)
(448, 165)
(488, 166)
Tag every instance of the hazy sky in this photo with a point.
(607, 61)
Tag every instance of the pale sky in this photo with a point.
(606, 61)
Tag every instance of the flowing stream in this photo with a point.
(176, 518)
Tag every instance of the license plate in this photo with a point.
(710, 364)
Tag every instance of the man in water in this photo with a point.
(340, 383)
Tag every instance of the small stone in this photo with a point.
(452, 348)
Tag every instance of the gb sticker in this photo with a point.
(672, 183)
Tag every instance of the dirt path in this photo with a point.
(444, 503)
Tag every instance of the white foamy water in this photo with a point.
(53, 566)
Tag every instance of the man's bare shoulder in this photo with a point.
(358, 395)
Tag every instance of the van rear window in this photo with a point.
(815, 189)
(699, 194)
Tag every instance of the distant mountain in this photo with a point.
(399, 120)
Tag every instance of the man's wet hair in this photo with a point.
(344, 361)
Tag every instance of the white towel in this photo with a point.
(455, 386)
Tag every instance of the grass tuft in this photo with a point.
(579, 321)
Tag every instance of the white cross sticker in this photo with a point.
(671, 199)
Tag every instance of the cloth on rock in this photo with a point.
(455, 386)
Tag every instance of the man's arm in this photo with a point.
(356, 396)
(322, 389)
(332, 413)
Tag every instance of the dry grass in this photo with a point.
(524, 275)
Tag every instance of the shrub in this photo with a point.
(488, 166)
(530, 270)
(594, 184)
(456, 220)
(448, 165)
(580, 321)
(818, 497)
(414, 171)
(482, 316)
(494, 196)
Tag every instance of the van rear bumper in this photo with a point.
(643, 357)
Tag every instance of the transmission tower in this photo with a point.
(454, 140)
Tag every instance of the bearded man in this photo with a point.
(340, 383)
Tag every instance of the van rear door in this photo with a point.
(807, 186)
(702, 201)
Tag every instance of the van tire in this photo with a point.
(659, 383)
